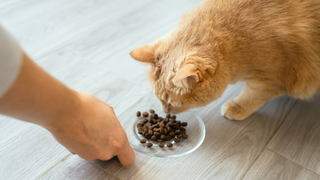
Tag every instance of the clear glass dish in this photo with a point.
(126, 111)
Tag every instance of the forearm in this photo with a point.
(37, 97)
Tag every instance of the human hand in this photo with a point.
(92, 131)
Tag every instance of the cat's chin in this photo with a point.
(174, 110)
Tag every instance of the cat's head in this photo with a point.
(181, 77)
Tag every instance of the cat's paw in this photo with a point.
(233, 111)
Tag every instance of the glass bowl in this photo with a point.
(126, 111)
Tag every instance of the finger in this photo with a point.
(127, 156)
(72, 152)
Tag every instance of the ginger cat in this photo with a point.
(272, 45)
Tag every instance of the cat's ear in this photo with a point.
(187, 76)
(144, 54)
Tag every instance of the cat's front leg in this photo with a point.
(251, 98)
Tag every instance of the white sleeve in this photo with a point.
(10, 61)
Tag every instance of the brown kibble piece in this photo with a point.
(176, 126)
(166, 120)
(172, 134)
(161, 145)
(165, 131)
(138, 114)
(154, 138)
(145, 114)
(159, 140)
(184, 124)
(168, 138)
(147, 136)
(173, 116)
(163, 137)
(178, 122)
(182, 129)
(143, 141)
(177, 140)
(185, 136)
(151, 111)
(149, 145)
(161, 124)
(161, 130)
(150, 132)
(170, 129)
(140, 132)
(154, 116)
(179, 135)
(169, 144)
(168, 116)
(178, 132)
(145, 130)
(154, 121)
(157, 134)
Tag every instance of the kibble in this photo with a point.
(157, 128)
(147, 135)
(149, 145)
(172, 134)
(155, 116)
(145, 114)
(185, 136)
(163, 137)
(161, 144)
(154, 138)
(150, 132)
(161, 130)
(157, 134)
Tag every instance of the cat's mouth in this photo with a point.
(168, 108)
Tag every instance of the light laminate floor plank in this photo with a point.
(272, 166)
(298, 138)
(42, 26)
(76, 168)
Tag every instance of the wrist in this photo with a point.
(64, 111)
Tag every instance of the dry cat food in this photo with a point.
(159, 129)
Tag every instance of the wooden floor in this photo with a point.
(85, 44)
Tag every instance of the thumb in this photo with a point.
(127, 156)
